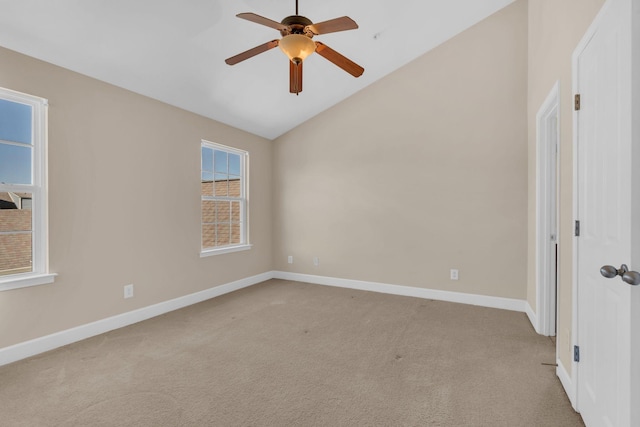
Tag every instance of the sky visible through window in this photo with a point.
(15, 142)
(219, 165)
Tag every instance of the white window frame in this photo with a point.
(244, 202)
(40, 274)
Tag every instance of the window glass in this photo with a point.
(16, 252)
(206, 187)
(207, 160)
(221, 185)
(15, 121)
(235, 187)
(221, 165)
(235, 211)
(222, 234)
(234, 165)
(235, 233)
(15, 164)
(208, 236)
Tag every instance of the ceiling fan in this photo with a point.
(297, 32)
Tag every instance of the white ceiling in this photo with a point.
(174, 51)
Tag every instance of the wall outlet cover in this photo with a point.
(128, 291)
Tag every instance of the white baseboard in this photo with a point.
(567, 383)
(49, 342)
(533, 317)
(409, 291)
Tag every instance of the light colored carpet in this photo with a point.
(293, 354)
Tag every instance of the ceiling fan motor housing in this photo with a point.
(297, 25)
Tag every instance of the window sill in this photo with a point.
(224, 250)
(25, 280)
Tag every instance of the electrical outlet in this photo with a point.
(454, 274)
(128, 291)
(316, 261)
(290, 259)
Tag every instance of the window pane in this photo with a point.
(221, 185)
(15, 164)
(235, 211)
(16, 253)
(234, 187)
(207, 176)
(15, 121)
(208, 211)
(221, 162)
(235, 233)
(234, 164)
(207, 159)
(206, 186)
(223, 211)
(208, 236)
(222, 234)
(15, 212)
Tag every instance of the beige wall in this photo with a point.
(555, 28)
(124, 181)
(424, 171)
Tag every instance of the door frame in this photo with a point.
(547, 214)
(635, 206)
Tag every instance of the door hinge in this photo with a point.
(576, 104)
(576, 353)
(577, 229)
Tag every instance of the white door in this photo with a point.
(603, 79)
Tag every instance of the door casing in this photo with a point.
(547, 161)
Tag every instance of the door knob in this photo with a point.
(630, 277)
(609, 271)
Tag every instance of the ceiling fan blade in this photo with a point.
(262, 20)
(252, 52)
(333, 25)
(295, 77)
(341, 61)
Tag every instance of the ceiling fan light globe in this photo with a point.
(297, 47)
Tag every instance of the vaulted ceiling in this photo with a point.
(174, 51)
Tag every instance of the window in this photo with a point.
(223, 199)
(23, 197)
